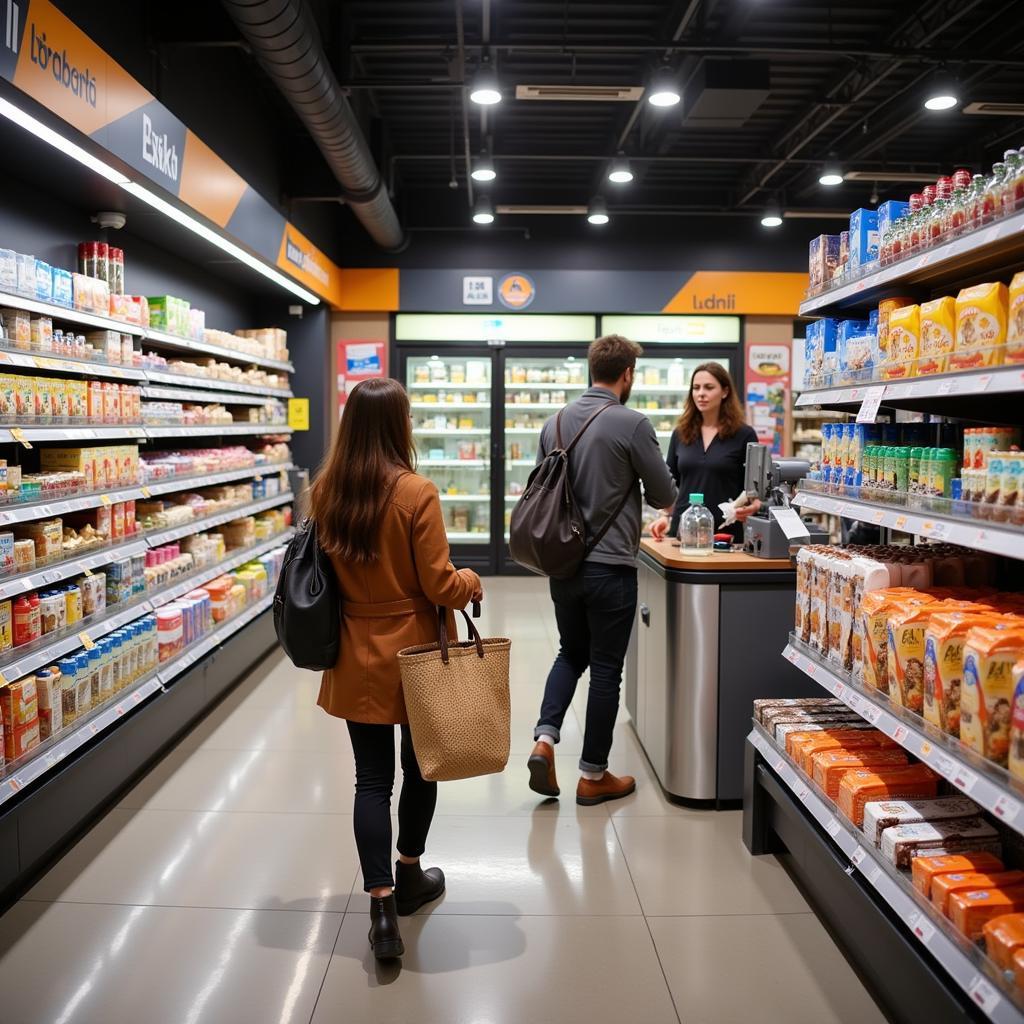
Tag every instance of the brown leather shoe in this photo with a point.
(542, 770)
(609, 787)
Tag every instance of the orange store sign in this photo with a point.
(722, 291)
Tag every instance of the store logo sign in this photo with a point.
(158, 150)
(516, 291)
(80, 82)
(478, 291)
(714, 302)
(304, 260)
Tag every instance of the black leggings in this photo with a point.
(374, 748)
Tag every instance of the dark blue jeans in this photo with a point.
(594, 611)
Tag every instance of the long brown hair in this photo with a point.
(730, 419)
(372, 448)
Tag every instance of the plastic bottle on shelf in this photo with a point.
(697, 528)
(975, 201)
(1013, 183)
(992, 199)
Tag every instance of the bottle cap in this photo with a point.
(696, 499)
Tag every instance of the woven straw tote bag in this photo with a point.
(457, 699)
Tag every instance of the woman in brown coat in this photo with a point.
(382, 527)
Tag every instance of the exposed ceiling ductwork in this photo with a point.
(285, 39)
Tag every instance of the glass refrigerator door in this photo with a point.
(660, 391)
(535, 389)
(451, 416)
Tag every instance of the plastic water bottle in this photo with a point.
(697, 528)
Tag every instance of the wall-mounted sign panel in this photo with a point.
(486, 327)
(722, 330)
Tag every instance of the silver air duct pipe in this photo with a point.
(285, 39)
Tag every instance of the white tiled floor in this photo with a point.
(225, 888)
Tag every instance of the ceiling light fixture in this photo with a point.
(597, 212)
(483, 212)
(941, 93)
(772, 217)
(620, 171)
(69, 148)
(484, 88)
(831, 173)
(483, 169)
(664, 88)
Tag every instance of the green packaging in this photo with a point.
(914, 471)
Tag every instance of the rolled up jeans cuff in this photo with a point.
(587, 766)
(548, 732)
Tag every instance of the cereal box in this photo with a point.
(863, 238)
(981, 314)
(903, 343)
(937, 335)
(988, 690)
(874, 611)
(888, 213)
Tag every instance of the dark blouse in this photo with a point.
(717, 473)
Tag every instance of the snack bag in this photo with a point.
(981, 314)
(1016, 757)
(903, 343)
(986, 699)
(874, 615)
(1015, 320)
(938, 335)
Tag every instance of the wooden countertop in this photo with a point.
(667, 554)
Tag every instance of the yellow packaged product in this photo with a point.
(885, 310)
(6, 637)
(981, 314)
(1016, 756)
(903, 343)
(8, 403)
(938, 335)
(1015, 320)
(874, 616)
(986, 699)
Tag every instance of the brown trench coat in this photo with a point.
(390, 603)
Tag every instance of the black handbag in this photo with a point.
(307, 604)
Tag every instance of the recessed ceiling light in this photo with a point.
(664, 89)
(483, 212)
(484, 88)
(597, 212)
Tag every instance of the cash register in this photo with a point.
(770, 478)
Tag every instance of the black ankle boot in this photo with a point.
(385, 937)
(414, 887)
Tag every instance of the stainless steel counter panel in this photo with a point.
(676, 683)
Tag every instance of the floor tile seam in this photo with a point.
(327, 968)
(210, 810)
(176, 906)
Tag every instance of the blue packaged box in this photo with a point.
(863, 238)
(44, 281)
(856, 344)
(61, 286)
(889, 213)
(819, 351)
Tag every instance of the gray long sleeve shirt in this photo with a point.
(618, 452)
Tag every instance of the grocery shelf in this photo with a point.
(660, 389)
(984, 782)
(999, 247)
(545, 386)
(464, 463)
(187, 483)
(69, 315)
(426, 432)
(482, 538)
(524, 431)
(43, 576)
(172, 533)
(533, 406)
(815, 414)
(512, 497)
(966, 965)
(12, 433)
(453, 406)
(216, 430)
(522, 462)
(979, 534)
(175, 394)
(190, 381)
(172, 341)
(443, 385)
(465, 497)
(657, 412)
(232, 560)
(62, 364)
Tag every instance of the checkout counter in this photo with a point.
(707, 641)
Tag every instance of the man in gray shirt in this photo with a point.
(595, 608)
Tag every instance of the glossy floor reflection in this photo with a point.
(224, 887)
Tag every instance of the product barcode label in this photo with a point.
(1007, 808)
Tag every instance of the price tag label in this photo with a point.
(964, 779)
(853, 702)
(900, 522)
(833, 827)
(19, 435)
(984, 995)
(105, 499)
(981, 383)
(792, 655)
(872, 713)
(3, 679)
(87, 571)
(949, 387)
(802, 794)
(14, 784)
(923, 929)
(810, 668)
(1007, 808)
(926, 748)
(945, 766)
(146, 492)
(858, 855)
(118, 710)
(869, 407)
(901, 734)
(879, 515)
(86, 640)
(938, 530)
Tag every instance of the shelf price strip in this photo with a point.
(960, 968)
(983, 790)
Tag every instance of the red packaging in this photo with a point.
(129, 518)
(117, 530)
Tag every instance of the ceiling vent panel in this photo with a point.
(995, 109)
(581, 93)
(725, 93)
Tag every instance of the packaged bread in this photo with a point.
(829, 766)
(1016, 755)
(981, 315)
(969, 911)
(1004, 935)
(874, 615)
(882, 814)
(1015, 320)
(801, 747)
(782, 730)
(988, 689)
(924, 870)
(938, 335)
(944, 637)
(794, 712)
(943, 886)
(802, 611)
(900, 842)
(904, 342)
(863, 785)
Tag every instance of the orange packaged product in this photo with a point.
(859, 786)
(1018, 969)
(938, 335)
(924, 870)
(220, 594)
(829, 766)
(981, 316)
(1016, 757)
(1004, 935)
(846, 739)
(969, 911)
(943, 886)
(988, 689)
(874, 610)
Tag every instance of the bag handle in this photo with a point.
(474, 633)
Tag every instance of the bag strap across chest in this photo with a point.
(579, 433)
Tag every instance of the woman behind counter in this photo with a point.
(708, 451)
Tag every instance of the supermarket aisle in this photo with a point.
(224, 888)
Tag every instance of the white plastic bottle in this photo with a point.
(697, 528)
